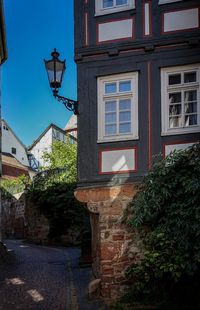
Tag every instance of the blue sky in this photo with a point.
(33, 29)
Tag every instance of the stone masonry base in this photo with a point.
(112, 246)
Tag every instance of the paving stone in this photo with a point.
(45, 278)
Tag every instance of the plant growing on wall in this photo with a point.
(53, 191)
(10, 187)
(165, 215)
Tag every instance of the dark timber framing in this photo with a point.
(146, 54)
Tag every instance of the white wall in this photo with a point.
(43, 145)
(9, 141)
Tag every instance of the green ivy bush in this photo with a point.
(165, 216)
(53, 195)
(58, 204)
(52, 191)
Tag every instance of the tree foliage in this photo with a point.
(165, 216)
(53, 191)
(63, 155)
(10, 187)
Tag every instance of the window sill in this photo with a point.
(181, 131)
(116, 139)
(168, 2)
(106, 12)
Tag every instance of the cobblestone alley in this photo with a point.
(44, 278)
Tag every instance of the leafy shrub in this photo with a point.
(58, 204)
(53, 196)
(52, 191)
(165, 215)
(63, 155)
(10, 187)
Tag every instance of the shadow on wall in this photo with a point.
(13, 215)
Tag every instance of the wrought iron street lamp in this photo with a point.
(55, 70)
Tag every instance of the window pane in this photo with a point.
(121, 2)
(175, 97)
(110, 88)
(125, 104)
(191, 107)
(175, 109)
(110, 129)
(110, 106)
(174, 79)
(125, 86)
(190, 77)
(175, 122)
(14, 151)
(190, 120)
(124, 116)
(110, 118)
(125, 128)
(107, 3)
(190, 95)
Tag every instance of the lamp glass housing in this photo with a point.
(55, 69)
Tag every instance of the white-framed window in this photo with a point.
(118, 107)
(167, 1)
(103, 7)
(180, 99)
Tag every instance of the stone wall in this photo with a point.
(13, 218)
(37, 225)
(112, 246)
(38, 228)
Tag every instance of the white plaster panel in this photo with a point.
(115, 30)
(180, 20)
(147, 19)
(9, 141)
(118, 160)
(178, 147)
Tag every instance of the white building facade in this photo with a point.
(44, 144)
(11, 144)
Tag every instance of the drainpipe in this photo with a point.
(0, 162)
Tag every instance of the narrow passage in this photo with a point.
(44, 278)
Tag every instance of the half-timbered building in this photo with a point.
(138, 64)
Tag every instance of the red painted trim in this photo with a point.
(149, 100)
(170, 46)
(181, 30)
(150, 18)
(132, 50)
(86, 29)
(95, 55)
(135, 148)
(173, 143)
(121, 52)
(115, 40)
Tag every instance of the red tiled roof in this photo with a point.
(11, 167)
(13, 172)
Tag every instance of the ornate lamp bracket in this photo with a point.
(70, 104)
